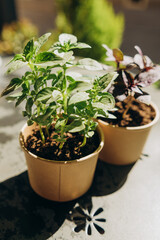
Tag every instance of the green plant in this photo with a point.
(65, 99)
(157, 84)
(91, 21)
(15, 35)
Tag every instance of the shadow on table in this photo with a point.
(26, 216)
(109, 178)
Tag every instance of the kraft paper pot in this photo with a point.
(60, 180)
(124, 145)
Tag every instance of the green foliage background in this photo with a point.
(93, 22)
(157, 84)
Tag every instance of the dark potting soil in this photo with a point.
(70, 150)
(138, 114)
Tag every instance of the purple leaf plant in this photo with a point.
(134, 74)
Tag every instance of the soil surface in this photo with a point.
(70, 150)
(138, 114)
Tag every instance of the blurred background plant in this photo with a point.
(93, 22)
(15, 35)
(157, 84)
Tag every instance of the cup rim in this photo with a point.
(154, 121)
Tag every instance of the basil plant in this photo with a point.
(53, 94)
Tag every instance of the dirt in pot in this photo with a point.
(138, 114)
(70, 150)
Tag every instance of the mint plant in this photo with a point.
(133, 75)
(54, 95)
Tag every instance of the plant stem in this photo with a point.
(64, 104)
(65, 90)
(47, 131)
(130, 100)
(42, 135)
(40, 128)
(84, 142)
(61, 145)
(117, 65)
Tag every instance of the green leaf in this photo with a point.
(29, 122)
(26, 87)
(33, 93)
(75, 126)
(46, 118)
(20, 99)
(29, 105)
(93, 125)
(102, 113)
(57, 95)
(14, 84)
(46, 57)
(73, 116)
(106, 80)
(89, 134)
(70, 79)
(17, 57)
(78, 85)
(75, 110)
(78, 97)
(111, 116)
(83, 86)
(13, 97)
(29, 75)
(15, 66)
(44, 94)
(71, 86)
(90, 64)
(41, 41)
(38, 83)
(67, 56)
(24, 113)
(59, 123)
(49, 64)
(80, 45)
(117, 53)
(28, 49)
(67, 38)
(108, 100)
(81, 106)
(100, 105)
(52, 76)
(55, 137)
(55, 46)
